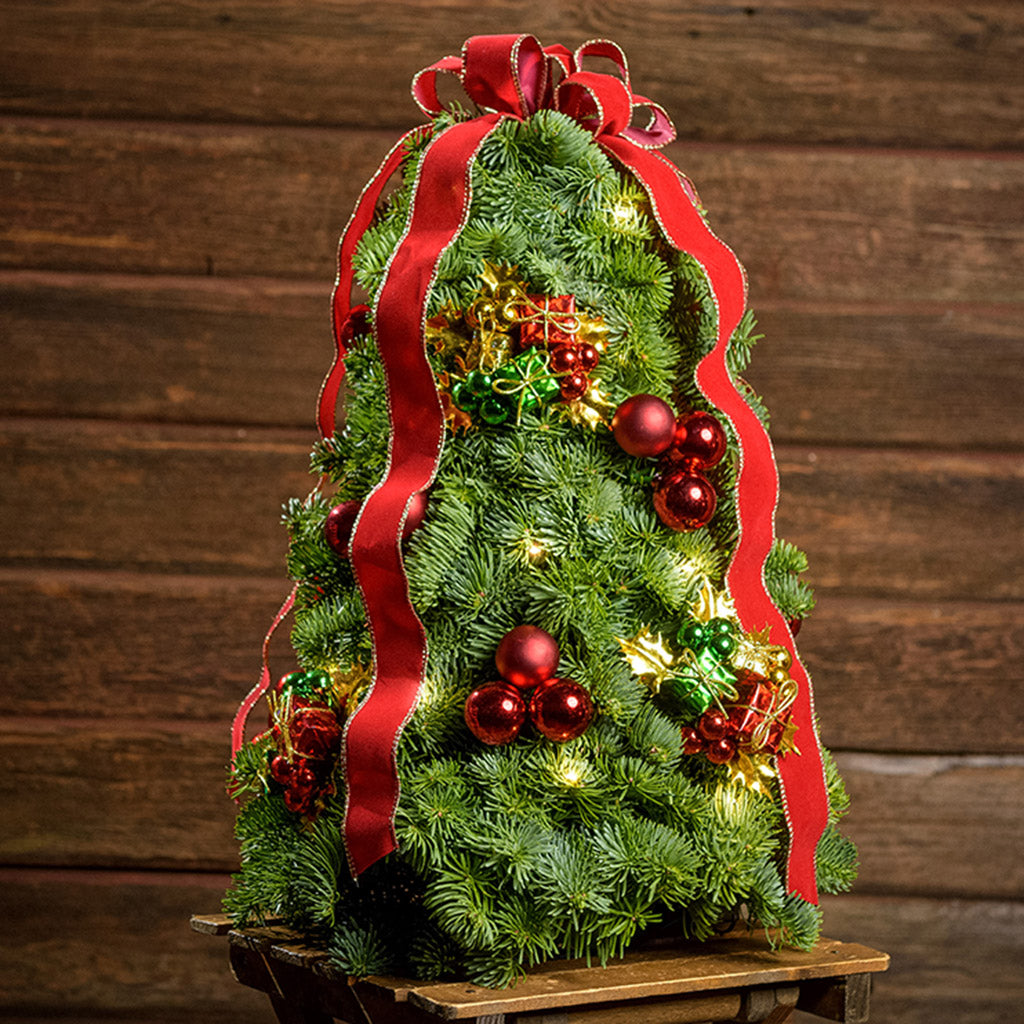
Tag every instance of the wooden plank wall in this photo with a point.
(173, 178)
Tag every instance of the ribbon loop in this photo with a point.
(600, 103)
(505, 74)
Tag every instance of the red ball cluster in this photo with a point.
(573, 363)
(569, 359)
(527, 658)
(647, 426)
(304, 763)
(721, 735)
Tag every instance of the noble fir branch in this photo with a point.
(247, 775)
(358, 949)
(268, 835)
(793, 596)
(741, 344)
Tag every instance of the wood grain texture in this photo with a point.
(136, 645)
(150, 497)
(924, 73)
(131, 793)
(253, 351)
(191, 349)
(174, 499)
(116, 946)
(130, 952)
(889, 675)
(953, 962)
(892, 675)
(811, 225)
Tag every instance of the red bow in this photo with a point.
(513, 77)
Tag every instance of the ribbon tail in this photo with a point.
(438, 212)
(801, 776)
(263, 683)
(342, 313)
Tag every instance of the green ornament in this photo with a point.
(720, 627)
(712, 667)
(464, 396)
(692, 635)
(478, 382)
(685, 697)
(722, 644)
(493, 410)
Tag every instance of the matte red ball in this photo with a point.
(526, 656)
(644, 425)
(561, 709)
(721, 751)
(574, 385)
(495, 713)
(700, 436)
(684, 500)
(588, 357)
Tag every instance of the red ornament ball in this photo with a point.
(341, 519)
(713, 725)
(563, 359)
(700, 436)
(338, 526)
(561, 709)
(684, 500)
(587, 357)
(644, 425)
(721, 751)
(495, 713)
(527, 656)
(574, 385)
(693, 742)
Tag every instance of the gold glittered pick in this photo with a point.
(591, 410)
(754, 773)
(648, 657)
(712, 604)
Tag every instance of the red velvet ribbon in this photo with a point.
(514, 76)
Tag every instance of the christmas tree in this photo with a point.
(548, 697)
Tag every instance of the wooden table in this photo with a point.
(735, 978)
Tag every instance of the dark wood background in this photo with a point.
(173, 179)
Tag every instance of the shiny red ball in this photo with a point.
(526, 656)
(341, 519)
(574, 385)
(721, 751)
(684, 500)
(693, 742)
(561, 709)
(713, 725)
(338, 526)
(563, 359)
(700, 436)
(281, 770)
(495, 713)
(794, 625)
(644, 425)
(588, 357)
